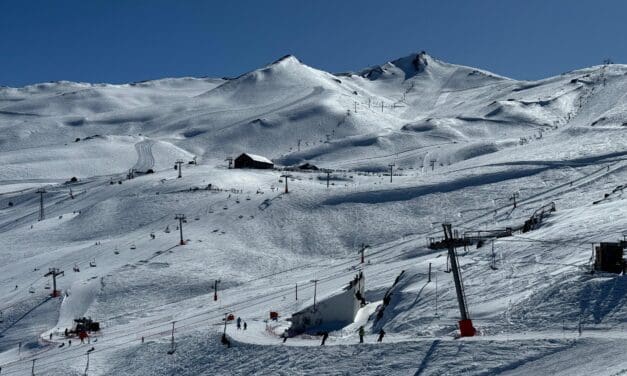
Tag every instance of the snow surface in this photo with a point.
(462, 141)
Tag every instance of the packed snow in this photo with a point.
(460, 142)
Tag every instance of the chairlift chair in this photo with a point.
(133, 246)
(47, 286)
(31, 290)
(92, 263)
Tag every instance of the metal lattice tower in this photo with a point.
(41, 192)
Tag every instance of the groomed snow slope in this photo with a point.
(462, 141)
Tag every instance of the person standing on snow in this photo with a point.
(381, 334)
(245, 325)
(361, 334)
(239, 323)
(284, 335)
(325, 335)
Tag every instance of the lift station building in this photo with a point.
(247, 160)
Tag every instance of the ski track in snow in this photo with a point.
(145, 159)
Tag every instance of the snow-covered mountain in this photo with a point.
(461, 142)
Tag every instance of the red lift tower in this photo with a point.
(465, 324)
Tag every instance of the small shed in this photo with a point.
(609, 258)
(247, 160)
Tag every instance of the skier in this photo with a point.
(51, 336)
(381, 334)
(284, 335)
(245, 325)
(325, 335)
(69, 343)
(361, 334)
(239, 323)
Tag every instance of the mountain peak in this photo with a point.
(287, 59)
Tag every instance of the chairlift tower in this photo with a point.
(328, 172)
(362, 250)
(181, 218)
(41, 192)
(179, 163)
(466, 328)
(286, 177)
(391, 165)
(215, 289)
(54, 273)
(515, 195)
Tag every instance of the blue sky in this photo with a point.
(123, 41)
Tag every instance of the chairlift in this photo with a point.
(133, 246)
(75, 268)
(31, 290)
(47, 286)
(167, 229)
(247, 198)
(116, 252)
(92, 263)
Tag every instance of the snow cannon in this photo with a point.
(466, 329)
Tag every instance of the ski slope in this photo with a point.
(461, 141)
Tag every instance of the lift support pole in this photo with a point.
(465, 324)
(181, 218)
(54, 273)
